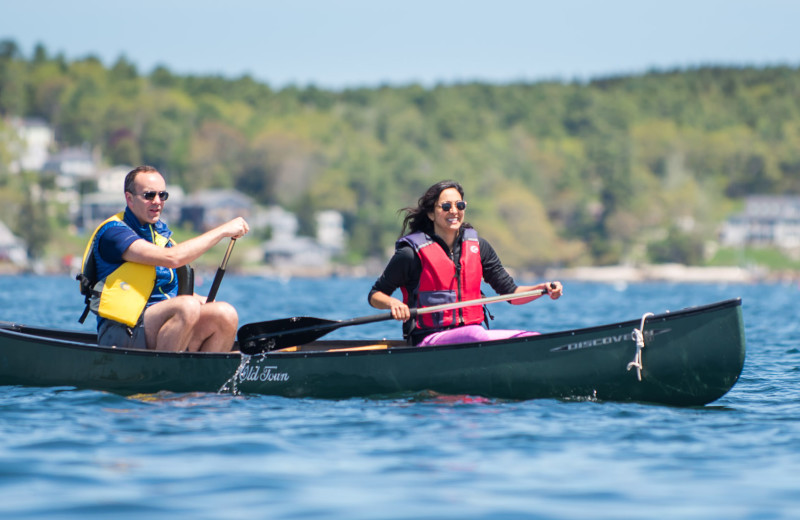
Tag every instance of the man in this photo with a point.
(131, 262)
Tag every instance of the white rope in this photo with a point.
(638, 337)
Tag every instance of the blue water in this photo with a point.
(85, 454)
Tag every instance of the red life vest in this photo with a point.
(442, 281)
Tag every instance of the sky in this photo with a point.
(336, 44)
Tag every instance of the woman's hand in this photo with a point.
(399, 310)
(554, 289)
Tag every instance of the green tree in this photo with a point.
(33, 224)
(677, 247)
(12, 79)
(604, 168)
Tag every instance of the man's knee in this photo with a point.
(188, 309)
(226, 313)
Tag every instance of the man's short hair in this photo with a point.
(136, 171)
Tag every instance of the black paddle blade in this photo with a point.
(264, 336)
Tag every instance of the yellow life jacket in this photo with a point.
(123, 294)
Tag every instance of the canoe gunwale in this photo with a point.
(329, 348)
(42, 336)
(656, 318)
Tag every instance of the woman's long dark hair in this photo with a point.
(416, 219)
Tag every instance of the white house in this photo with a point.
(283, 224)
(12, 248)
(766, 221)
(71, 165)
(287, 251)
(330, 230)
(112, 180)
(35, 140)
(299, 252)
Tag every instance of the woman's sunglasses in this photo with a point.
(460, 205)
(151, 195)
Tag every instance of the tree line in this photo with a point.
(640, 168)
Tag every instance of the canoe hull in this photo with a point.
(691, 357)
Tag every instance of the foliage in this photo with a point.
(677, 247)
(772, 258)
(628, 168)
(32, 223)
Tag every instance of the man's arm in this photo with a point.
(143, 252)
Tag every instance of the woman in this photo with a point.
(443, 260)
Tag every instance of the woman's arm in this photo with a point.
(554, 289)
(498, 278)
(399, 272)
(399, 310)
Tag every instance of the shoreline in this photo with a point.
(603, 274)
(662, 273)
(673, 273)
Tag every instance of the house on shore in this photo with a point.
(208, 209)
(70, 165)
(767, 221)
(12, 249)
(31, 150)
(288, 253)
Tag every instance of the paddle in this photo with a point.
(212, 293)
(271, 335)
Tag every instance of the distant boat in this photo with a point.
(689, 357)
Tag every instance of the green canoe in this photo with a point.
(688, 357)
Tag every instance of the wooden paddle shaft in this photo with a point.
(479, 301)
(265, 336)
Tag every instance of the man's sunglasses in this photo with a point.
(460, 205)
(151, 195)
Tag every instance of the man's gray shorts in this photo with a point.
(120, 335)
